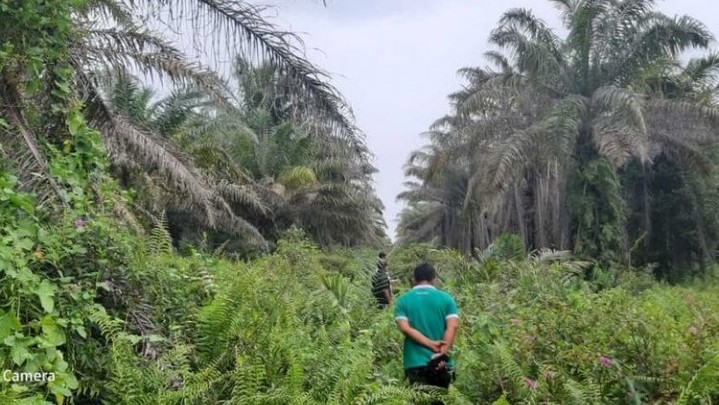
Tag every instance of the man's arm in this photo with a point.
(451, 325)
(400, 316)
(417, 336)
(387, 295)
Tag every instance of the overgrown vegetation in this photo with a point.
(130, 322)
(602, 141)
(127, 223)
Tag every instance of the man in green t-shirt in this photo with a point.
(428, 318)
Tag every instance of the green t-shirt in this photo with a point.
(426, 308)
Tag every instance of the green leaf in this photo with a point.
(19, 352)
(36, 400)
(53, 332)
(8, 325)
(104, 285)
(19, 388)
(74, 123)
(501, 401)
(46, 291)
(133, 339)
(71, 381)
(80, 331)
(155, 338)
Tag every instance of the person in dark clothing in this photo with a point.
(429, 319)
(381, 284)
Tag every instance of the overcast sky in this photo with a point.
(396, 60)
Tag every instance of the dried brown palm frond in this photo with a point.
(154, 153)
(243, 195)
(231, 223)
(685, 131)
(26, 153)
(128, 143)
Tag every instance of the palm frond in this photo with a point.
(531, 56)
(150, 55)
(624, 122)
(704, 70)
(11, 100)
(114, 10)
(537, 29)
(242, 30)
(244, 196)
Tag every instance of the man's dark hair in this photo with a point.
(382, 255)
(424, 272)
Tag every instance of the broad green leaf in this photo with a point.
(71, 381)
(155, 338)
(19, 388)
(46, 291)
(19, 352)
(80, 330)
(501, 401)
(24, 244)
(52, 331)
(134, 339)
(8, 325)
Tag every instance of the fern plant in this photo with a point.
(702, 385)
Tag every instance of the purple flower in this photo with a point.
(606, 361)
(79, 223)
(531, 384)
(549, 374)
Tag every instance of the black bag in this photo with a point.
(439, 376)
(435, 362)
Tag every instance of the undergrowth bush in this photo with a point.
(121, 319)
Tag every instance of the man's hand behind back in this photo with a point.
(435, 346)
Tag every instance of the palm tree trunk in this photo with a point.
(540, 202)
(698, 220)
(520, 215)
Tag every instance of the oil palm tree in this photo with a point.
(597, 109)
(107, 38)
(437, 211)
(270, 172)
(555, 121)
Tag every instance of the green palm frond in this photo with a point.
(298, 176)
(240, 29)
(532, 56)
(123, 139)
(660, 36)
(703, 71)
(537, 29)
(114, 10)
(135, 48)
